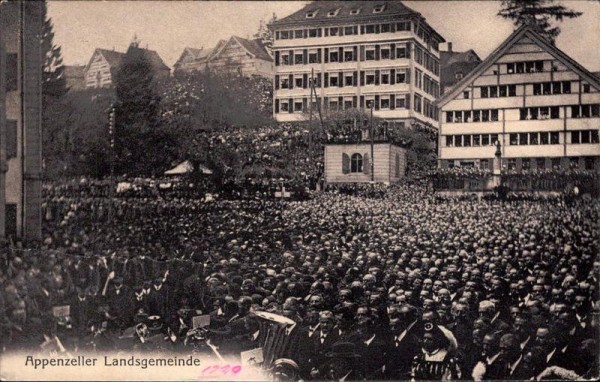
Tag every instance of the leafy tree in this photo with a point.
(265, 34)
(54, 82)
(540, 13)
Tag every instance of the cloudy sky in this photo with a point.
(170, 26)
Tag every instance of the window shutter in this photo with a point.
(318, 80)
(407, 77)
(362, 52)
(277, 58)
(326, 53)
(377, 28)
(291, 105)
(276, 81)
(342, 31)
(377, 72)
(355, 28)
(392, 102)
(366, 164)
(326, 102)
(392, 76)
(326, 32)
(340, 103)
(355, 53)
(319, 32)
(276, 106)
(362, 78)
(355, 79)
(304, 103)
(277, 35)
(305, 56)
(362, 29)
(377, 52)
(291, 81)
(291, 59)
(345, 163)
(408, 49)
(354, 101)
(340, 79)
(393, 27)
(341, 54)
(362, 102)
(11, 138)
(377, 102)
(326, 80)
(11, 72)
(407, 101)
(393, 50)
(305, 80)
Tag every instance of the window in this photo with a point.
(401, 52)
(385, 78)
(348, 80)
(485, 140)
(285, 83)
(537, 89)
(400, 102)
(566, 87)
(594, 136)
(493, 139)
(356, 163)
(370, 53)
(379, 8)
(544, 138)
(347, 104)
(369, 29)
(284, 35)
(458, 140)
(385, 103)
(523, 139)
(484, 92)
(476, 140)
(418, 101)
(385, 28)
(385, 53)
(314, 32)
(403, 26)
(311, 14)
(476, 115)
(467, 140)
(458, 75)
(510, 68)
(334, 31)
(585, 136)
(298, 106)
(285, 59)
(449, 141)
(586, 88)
(313, 57)
(533, 138)
(494, 113)
(575, 137)
(512, 90)
(512, 163)
(298, 59)
(513, 139)
(493, 92)
(333, 105)
(299, 33)
(284, 106)
(484, 164)
(400, 77)
(333, 80)
(348, 55)
(485, 115)
(333, 56)
(466, 95)
(355, 11)
(333, 12)
(298, 82)
(554, 138)
(370, 79)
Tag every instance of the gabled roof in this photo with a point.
(155, 59)
(113, 58)
(253, 47)
(449, 58)
(524, 30)
(73, 71)
(322, 8)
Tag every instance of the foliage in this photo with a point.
(540, 13)
(54, 82)
(265, 34)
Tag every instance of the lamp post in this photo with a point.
(372, 146)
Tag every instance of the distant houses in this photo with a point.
(455, 66)
(103, 65)
(236, 55)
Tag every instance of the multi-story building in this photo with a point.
(541, 105)
(456, 65)
(20, 120)
(362, 53)
(238, 55)
(104, 63)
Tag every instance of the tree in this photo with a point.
(539, 13)
(54, 82)
(142, 145)
(265, 34)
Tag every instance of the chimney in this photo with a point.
(450, 47)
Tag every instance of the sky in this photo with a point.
(170, 26)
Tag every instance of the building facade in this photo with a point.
(104, 63)
(362, 53)
(541, 105)
(236, 55)
(455, 66)
(353, 162)
(20, 120)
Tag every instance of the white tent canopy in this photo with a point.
(186, 167)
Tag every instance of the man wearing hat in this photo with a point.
(121, 303)
(403, 342)
(340, 364)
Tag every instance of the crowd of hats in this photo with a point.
(466, 265)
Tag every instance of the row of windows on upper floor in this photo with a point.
(523, 139)
(527, 67)
(528, 163)
(377, 102)
(525, 113)
(541, 88)
(355, 53)
(368, 77)
(363, 29)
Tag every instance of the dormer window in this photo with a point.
(379, 8)
(333, 12)
(355, 11)
(311, 14)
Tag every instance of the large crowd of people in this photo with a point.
(390, 283)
